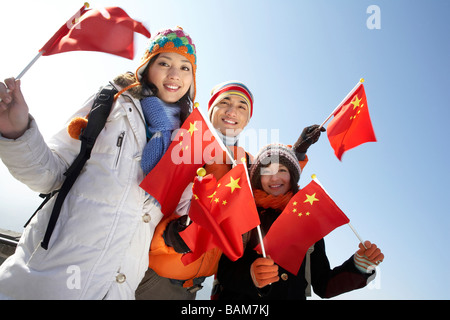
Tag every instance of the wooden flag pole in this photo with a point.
(340, 104)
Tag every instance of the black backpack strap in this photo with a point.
(97, 118)
(46, 198)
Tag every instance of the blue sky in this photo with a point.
(299, 59)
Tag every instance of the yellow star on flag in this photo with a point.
(311, 199)
(212, 196)
(192, 127)
(356, 102)
(301, 214)
(234, 184)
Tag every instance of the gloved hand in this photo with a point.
(309, 136)
(172, 236)
(366, 259)
(264, 271)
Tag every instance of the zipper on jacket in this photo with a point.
(119, 145)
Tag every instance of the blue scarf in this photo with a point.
(162, 118)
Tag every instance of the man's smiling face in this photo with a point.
(231, 115)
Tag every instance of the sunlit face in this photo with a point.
(230, 115)
(275, 179)
(172, 75)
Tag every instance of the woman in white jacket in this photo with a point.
(99, 246)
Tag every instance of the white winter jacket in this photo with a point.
(99, 247)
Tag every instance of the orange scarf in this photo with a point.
(265, 200)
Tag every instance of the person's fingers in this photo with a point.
(264, 261)
(11, 83)
(371, 251)
(265, 268)
(264, 272)
(362, 249)
(5, 95)
(375, 255)
(14, 90)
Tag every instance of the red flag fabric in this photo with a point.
(108, 30)
(193, 146)
(221, 213)
(351, 124)
(308, 217)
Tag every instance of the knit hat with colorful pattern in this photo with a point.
(228, 88)
(171, 40)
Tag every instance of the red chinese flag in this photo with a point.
(108, 30)
(309, 216)
(193, 146)
(351, 125)
(221, 213)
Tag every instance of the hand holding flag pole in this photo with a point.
(309, 216)
(377, 262)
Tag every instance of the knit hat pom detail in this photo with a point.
(76, 126)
